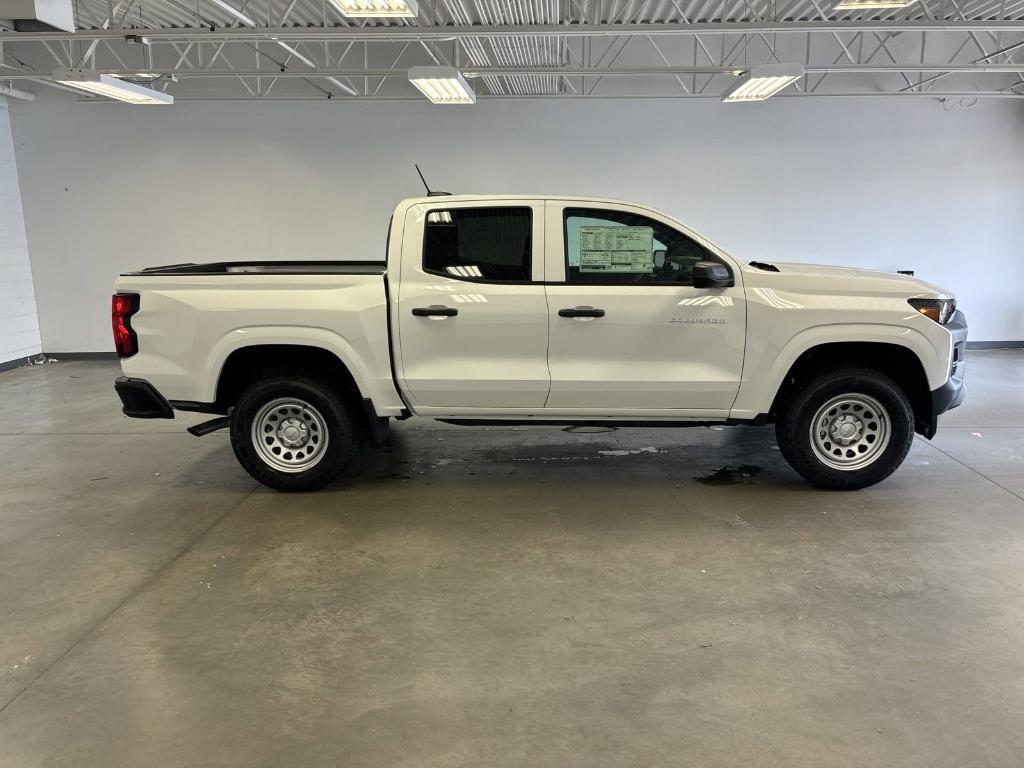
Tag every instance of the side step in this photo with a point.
(221, 422)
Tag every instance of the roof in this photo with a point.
(263, 49)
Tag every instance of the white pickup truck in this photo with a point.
(540, 310)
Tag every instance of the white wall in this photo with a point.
(19, 323)
(883, 183)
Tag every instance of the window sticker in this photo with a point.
(617, 249)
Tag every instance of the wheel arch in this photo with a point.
(254, 361)
(899, 362)
(308, 348)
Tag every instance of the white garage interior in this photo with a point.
(503, 595)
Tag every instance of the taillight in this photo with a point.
(122, 307)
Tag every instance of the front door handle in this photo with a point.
(581, 312)
(435, 310)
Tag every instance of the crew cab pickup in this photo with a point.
(540, 310)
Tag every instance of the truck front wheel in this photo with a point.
(846, 429)
(293, 433)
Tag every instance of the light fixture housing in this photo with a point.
(59, 14)
(376, 8)
(870, 5)
(442, 85)
(763, 81)
(112, 87)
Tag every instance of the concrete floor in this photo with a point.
(505, 597)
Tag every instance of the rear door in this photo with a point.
(472, 324)
(628, 331)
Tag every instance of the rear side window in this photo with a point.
(479, 244)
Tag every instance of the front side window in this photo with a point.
(615, 248)
(479, 244)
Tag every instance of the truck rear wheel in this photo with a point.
(846, 429)
(293, 433)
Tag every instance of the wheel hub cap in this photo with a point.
(293, 433)
(850, 431)
(846, 429)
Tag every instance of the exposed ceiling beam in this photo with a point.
(448, 33)
(547, 71)
(940, 95)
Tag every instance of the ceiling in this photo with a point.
(508, 49)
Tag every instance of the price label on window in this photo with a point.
(617, 249)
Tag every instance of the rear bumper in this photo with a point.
(141, 400)
(950, 394)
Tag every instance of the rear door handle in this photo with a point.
(581, 312)
(435, 310)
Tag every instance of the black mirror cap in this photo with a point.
(711, 274)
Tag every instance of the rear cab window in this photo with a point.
(479, 244)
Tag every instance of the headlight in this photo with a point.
(939, 310)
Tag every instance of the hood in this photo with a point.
(892, 280)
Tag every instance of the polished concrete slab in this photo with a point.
(500, 597)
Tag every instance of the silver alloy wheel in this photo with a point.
(850, 431)
(289, 435)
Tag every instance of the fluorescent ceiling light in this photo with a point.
(379, 8)
(763, 81)
(442, 85)
(855, 5)
(111, 87)
(234, 12)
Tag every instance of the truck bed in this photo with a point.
(192, 317)
(268, 267)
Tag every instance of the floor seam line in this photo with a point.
(124, 601)
(975, 471)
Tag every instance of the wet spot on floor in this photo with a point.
(627, 452)
(394, 476)
(730, 475)
(541, 454)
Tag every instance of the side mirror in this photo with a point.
(711, 274)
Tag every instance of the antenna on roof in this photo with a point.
(430, 192)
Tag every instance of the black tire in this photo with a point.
(793, 428)
(333, 419)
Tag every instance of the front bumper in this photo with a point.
(141, 400)
(950, 394)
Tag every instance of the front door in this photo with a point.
(472, 316)
(628, 331)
